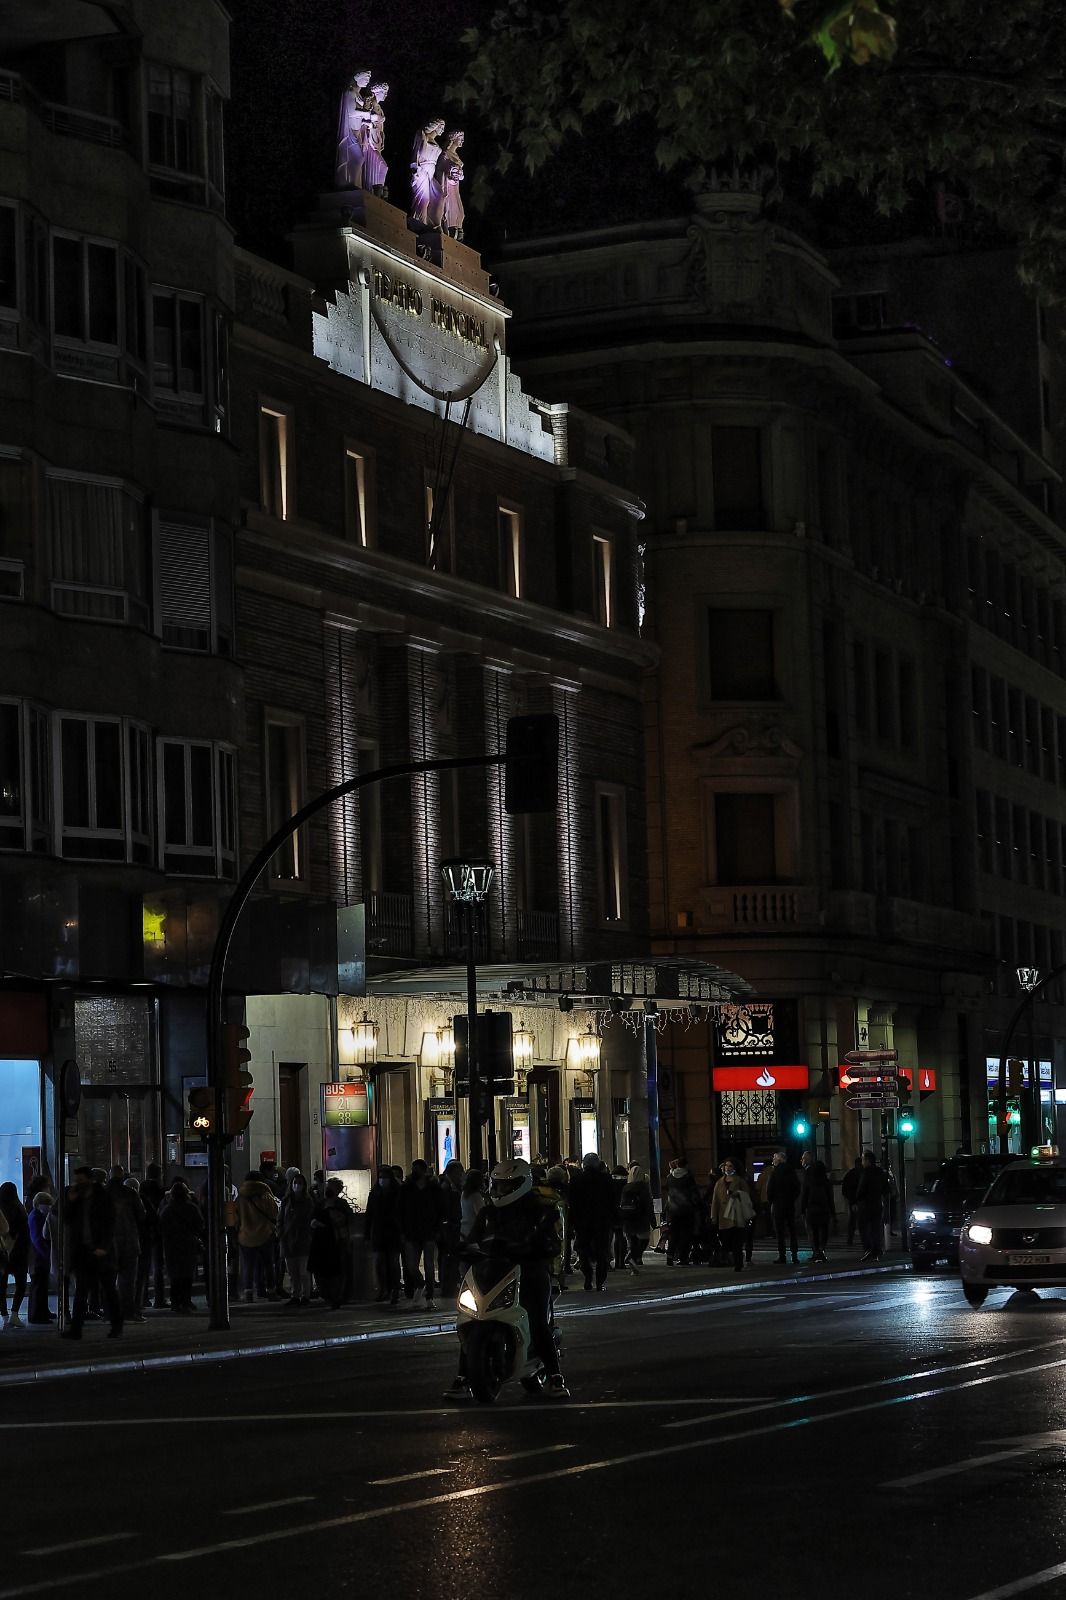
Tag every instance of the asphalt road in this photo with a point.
(867, 1438)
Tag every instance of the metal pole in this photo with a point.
(903, 1231)
(1034, 1080)
(476, 1136)
(218, 1285)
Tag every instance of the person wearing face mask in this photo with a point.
(731, 1212)
(294, 1229)
(381, 1228)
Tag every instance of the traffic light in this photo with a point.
(236, 1079)
(201, 1113)
(800, 1126)
(905, 1122)
(495, 1057)
(1015, 1075)
(531, 771)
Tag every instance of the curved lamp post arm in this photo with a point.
(1024, 1004)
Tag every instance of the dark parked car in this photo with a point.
(942, 1204)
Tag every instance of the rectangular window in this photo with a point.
(283, 761)
(1019, 871)
(1037, 862)
(1047, 744)
(39, 748)
(275, 460)
(838, 847)
(884, 697)
(12, 783)
(1052, 856)
(1032, 735)
(611, 854)
(439, 513)
(12, 580)
(91, 789)
(85, 290)
(984, 831)
(216, 162)
(741, 654)
(178, 354)
(745, 846)
(1001, 814)
(35, 259)
(8, 258)
(197, 808)
(356, 509)
(979, 699)
(997, 701)
(868, 852)
(908, 704)
(736, 469)
(509, 536)
(97, 549)
(603, 579)
(135, 308)
(68, 318)
(170, 141)
(1015, 728)
(139, 791)
(185, 613)
(831, 687)
(860, 686)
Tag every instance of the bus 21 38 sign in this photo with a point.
(345, 1105)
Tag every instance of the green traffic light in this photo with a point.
(801, 1128)
(906, 1124)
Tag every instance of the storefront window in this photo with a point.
(20, 1120)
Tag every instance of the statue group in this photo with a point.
(436, 166)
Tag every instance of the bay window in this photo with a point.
(197, 808)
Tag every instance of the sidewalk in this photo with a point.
(28, 1355)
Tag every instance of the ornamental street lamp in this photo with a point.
(1029, 982)
(468, 883)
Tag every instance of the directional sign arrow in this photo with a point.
(873, 1102)
(855, 1058)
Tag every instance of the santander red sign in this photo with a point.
(761, 1077)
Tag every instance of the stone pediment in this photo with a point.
(763, 741)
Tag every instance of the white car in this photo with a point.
(1016, 1239)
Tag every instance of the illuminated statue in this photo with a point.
(375, 167)
(425, 191)
(351, 134)
(449, 176)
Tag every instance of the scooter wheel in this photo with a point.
(486, 1360)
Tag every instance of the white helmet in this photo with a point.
(509, 1182)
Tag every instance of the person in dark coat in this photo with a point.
(451, 1201)
(324, 1262)
(870, 1206)
(816, 1204)
(421, 1214)
(40, 1257)
(91, 1220)
(682, 1212)
(381, 1228)
(294, 1229)
(593, 1205)
(183, 1243)
(849, 1188)
(619, 1246)
(782, 1192)
(150, 1267)
(130, 1218)
(17, 1261)
(636, 1213)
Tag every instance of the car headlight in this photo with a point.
(923, 1216)
(979, 1233)
(467, 1301)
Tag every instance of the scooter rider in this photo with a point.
(526, 1225)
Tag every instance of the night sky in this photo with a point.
(290, 61)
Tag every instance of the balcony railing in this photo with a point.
(765, 907)
(68, 120)
(538, 936)
(389, 930)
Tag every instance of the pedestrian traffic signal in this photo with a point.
(236, 1079)
(800, 1127)
(531, 770)
(905, 1123)
(201, 1113)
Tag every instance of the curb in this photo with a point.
(191, 1358)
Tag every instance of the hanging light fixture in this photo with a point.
(522, 1045)
(467, 880)
(365, 1041)
(588, 1050)
(446, 1047)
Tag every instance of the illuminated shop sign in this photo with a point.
(764, 1077)
(345, 1105)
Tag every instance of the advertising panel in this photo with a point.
(764, 1077)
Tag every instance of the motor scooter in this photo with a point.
(493, 1328)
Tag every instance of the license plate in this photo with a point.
(1027, 1259)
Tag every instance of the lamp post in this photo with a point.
(1029, 980)
(468, 883)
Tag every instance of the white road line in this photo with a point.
(268, 1505)
(877, 1383)
(409, 1477)
(1045, 1441)
(1022, 1585)
(552, 1475)
(78, 1544)
(544, 1450)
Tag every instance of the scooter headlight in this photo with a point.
(467, 1301)
(506, 1299)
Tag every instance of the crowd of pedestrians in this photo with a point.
(129, 1244)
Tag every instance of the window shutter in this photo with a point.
(183, 555)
